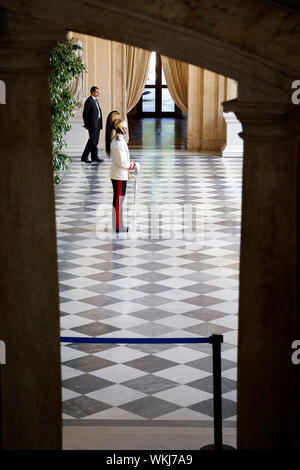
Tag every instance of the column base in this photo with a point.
(234, 144)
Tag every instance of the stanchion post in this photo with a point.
(216, 341)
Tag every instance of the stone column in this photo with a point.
(234, 144)
(205, 123)
(30, 394)
(195, 107)
(268, 395)
(214, 92)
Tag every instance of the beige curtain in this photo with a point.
(138, 61)
(176, 74)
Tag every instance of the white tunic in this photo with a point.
(121, 163)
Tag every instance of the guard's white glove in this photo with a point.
(137, 168)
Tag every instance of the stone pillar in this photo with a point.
(268, 396)
(195, 108)
(205, 123)
(30, 394)
(234, 144)
(214, 92)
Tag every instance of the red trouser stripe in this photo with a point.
(118, 203)
(117, 207)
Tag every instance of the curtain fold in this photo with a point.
(138, 61)
(176, 74)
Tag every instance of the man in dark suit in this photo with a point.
(92, 117)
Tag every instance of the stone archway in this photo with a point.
(228, 38)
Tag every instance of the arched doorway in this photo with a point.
(219, 44)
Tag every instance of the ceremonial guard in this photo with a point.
(121, 165)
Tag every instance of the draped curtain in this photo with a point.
(138, 61)
(176, 74)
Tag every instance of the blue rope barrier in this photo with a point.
(72, 339)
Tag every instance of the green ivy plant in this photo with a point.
(65, 65)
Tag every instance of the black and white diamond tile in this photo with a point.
(158, 286)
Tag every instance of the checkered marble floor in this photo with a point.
(146, 286)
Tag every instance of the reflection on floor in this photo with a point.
(168, 133)
(166, 286)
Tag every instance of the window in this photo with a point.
(156, 100)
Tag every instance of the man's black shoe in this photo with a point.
(98, 160)
(85, 161)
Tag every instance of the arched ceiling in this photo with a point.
(256, 42)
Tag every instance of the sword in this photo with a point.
(134, 202)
